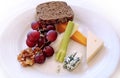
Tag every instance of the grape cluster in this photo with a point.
(41, 36)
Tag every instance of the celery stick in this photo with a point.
(64, 43)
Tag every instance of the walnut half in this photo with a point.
(26, 57)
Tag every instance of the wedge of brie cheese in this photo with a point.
(94, 44)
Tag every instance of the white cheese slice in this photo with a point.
(94, 44)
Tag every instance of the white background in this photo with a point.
(110, 9)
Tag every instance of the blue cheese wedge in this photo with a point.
(94, 44)
(71, 62)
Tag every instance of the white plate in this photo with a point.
(103, 65)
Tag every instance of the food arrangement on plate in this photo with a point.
(55, 26)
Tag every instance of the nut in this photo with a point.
(26, 57)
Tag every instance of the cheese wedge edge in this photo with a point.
(94, 44)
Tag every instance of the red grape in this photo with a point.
(41, 41)
(40, 58)
(40, 25)
(50, 27)
(43, 27)
(29, 36)
(29, 43)
(35, 25)
(51, 35)
(48, 51)
(33, 36)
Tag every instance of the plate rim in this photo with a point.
(78, 6)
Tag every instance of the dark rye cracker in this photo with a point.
(54, 12)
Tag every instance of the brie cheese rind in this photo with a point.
(94, 44)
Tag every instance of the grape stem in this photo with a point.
(64, 43)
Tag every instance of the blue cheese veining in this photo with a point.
(71, 62)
